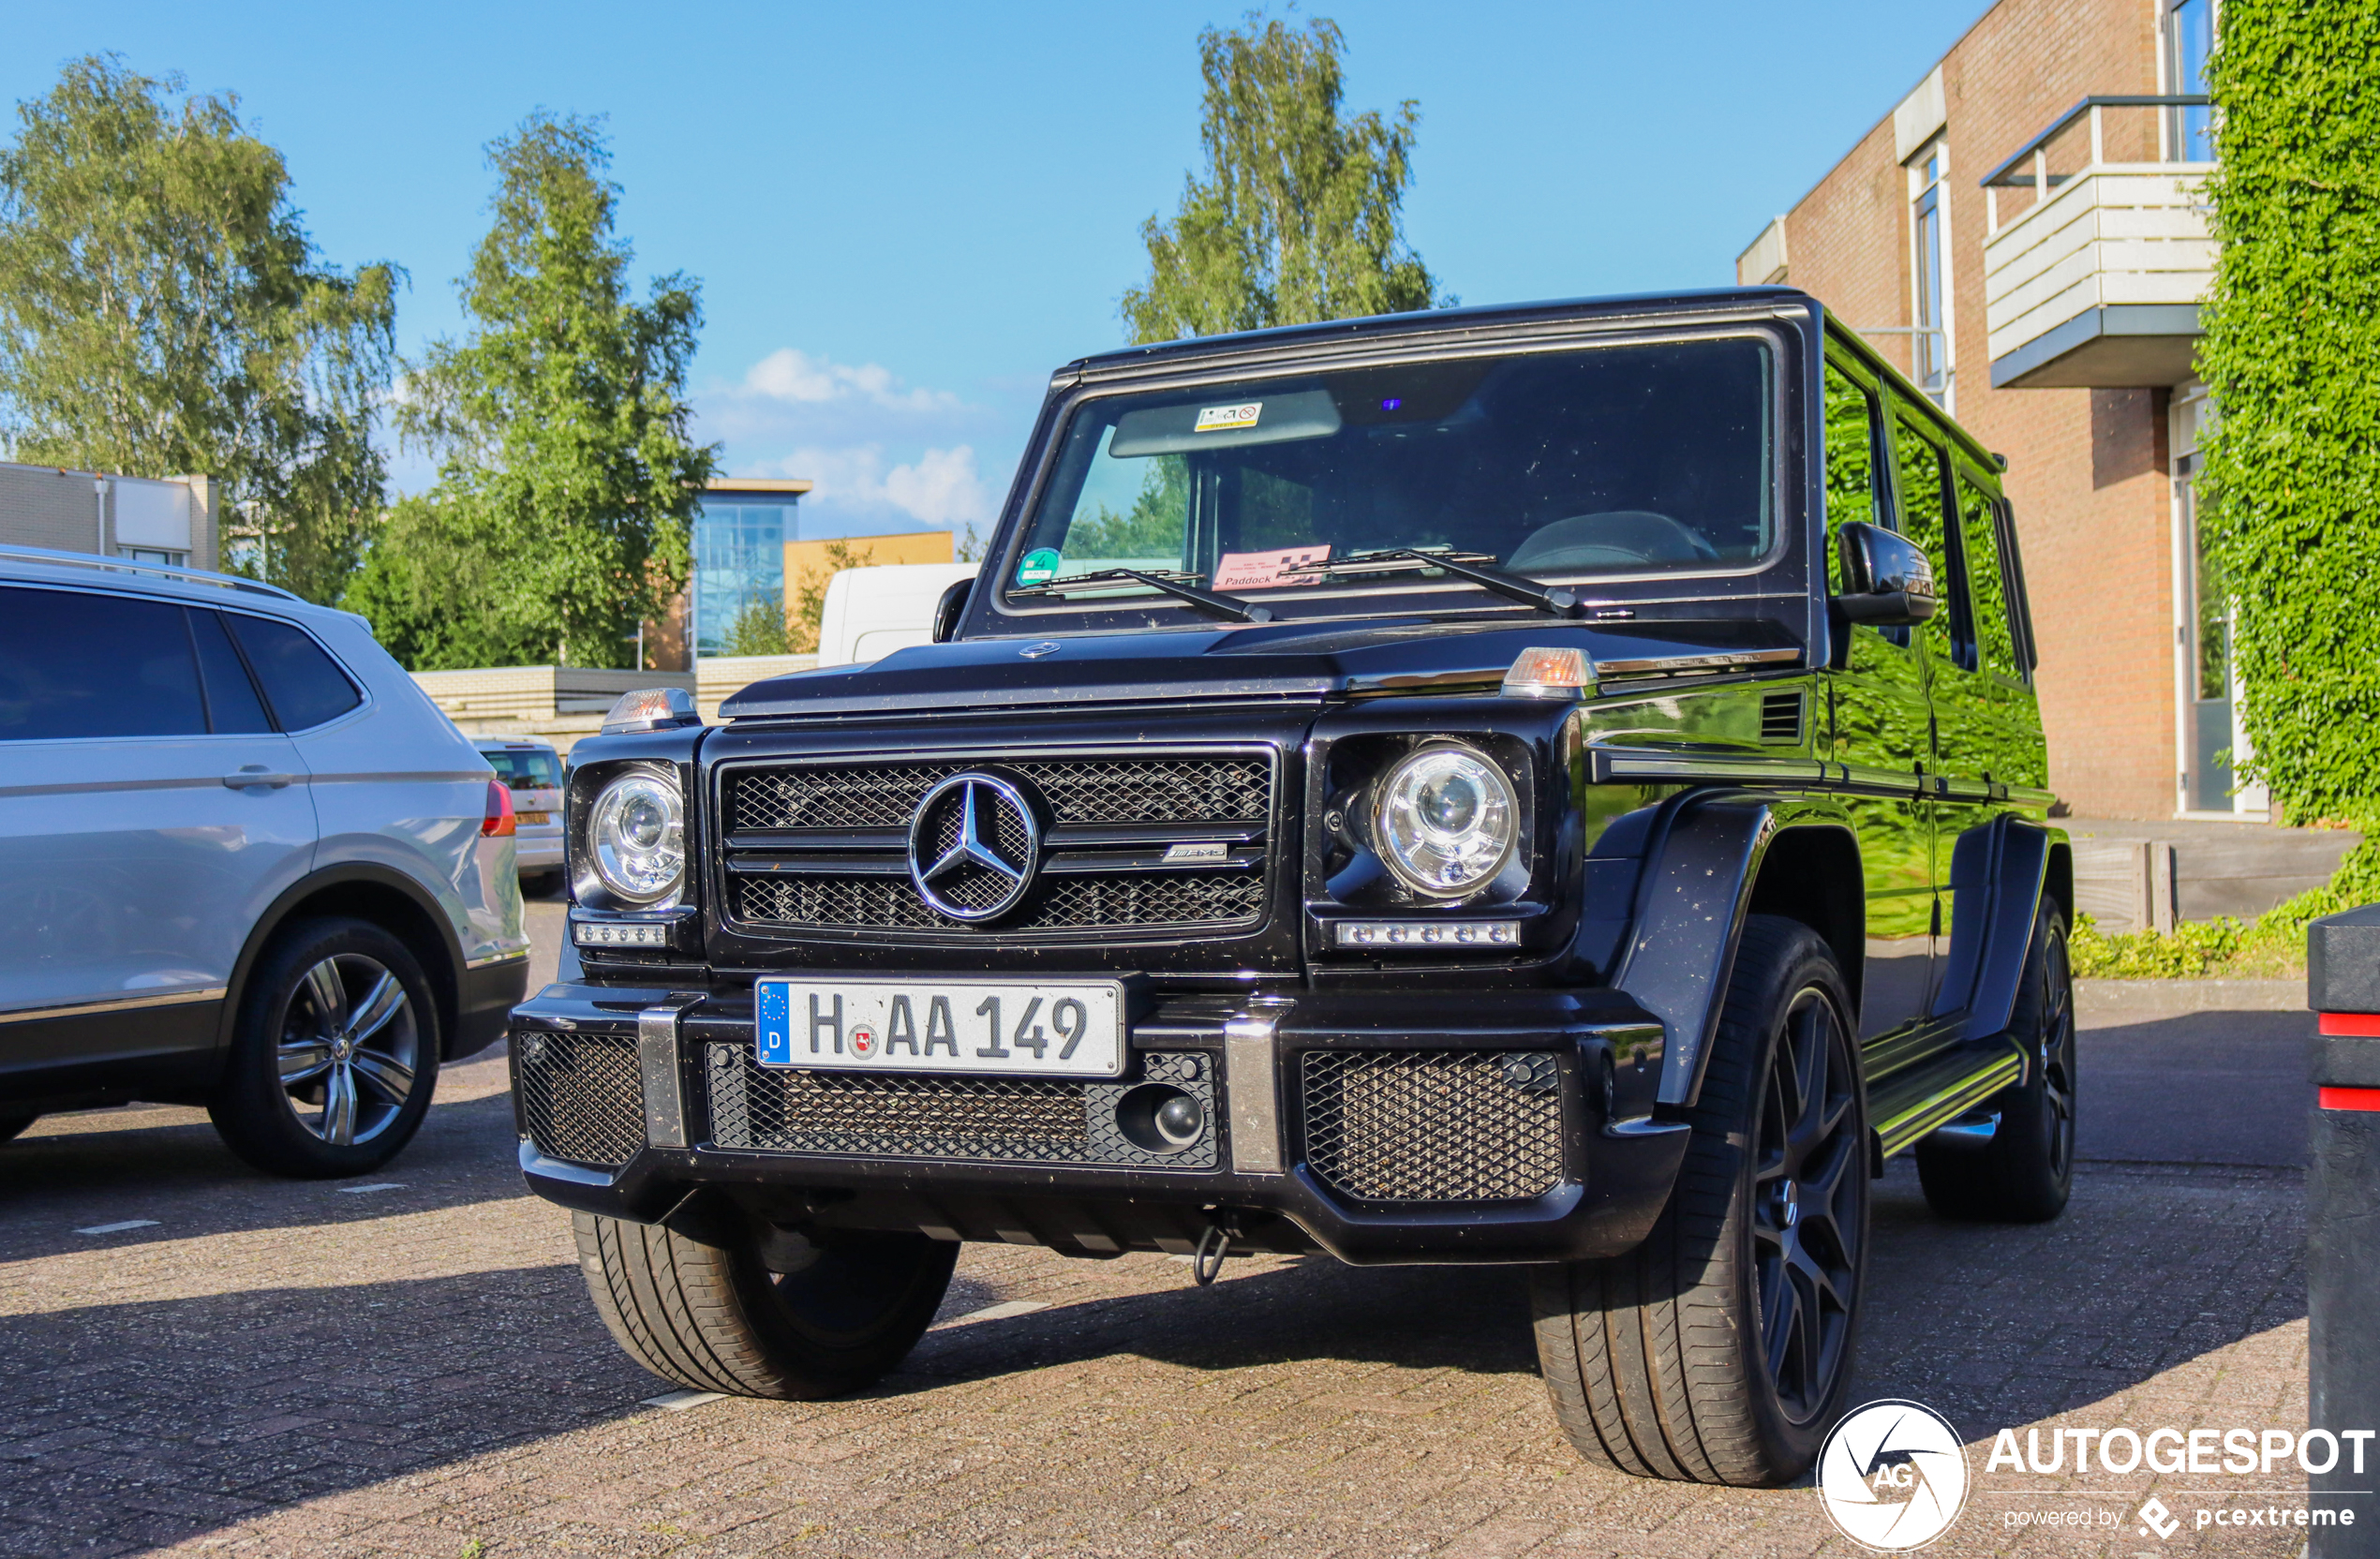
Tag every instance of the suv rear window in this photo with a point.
(78, 664)
(304, 685)
(525, 769)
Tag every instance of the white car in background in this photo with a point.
(532, 771)
(871, 612)
(245, 863)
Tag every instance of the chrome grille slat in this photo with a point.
(1222, 788)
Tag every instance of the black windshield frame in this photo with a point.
(997, 613)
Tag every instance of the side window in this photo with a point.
(1986, 583)
(76, 664)
(232, 703)
(304, 684)
(1850, 459)
(1923, 520)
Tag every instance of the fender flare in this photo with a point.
(446, 981)
(1700, 864)
(2000, 873)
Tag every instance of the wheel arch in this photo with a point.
(2001, 874)
(1810, 872)
(369, 892)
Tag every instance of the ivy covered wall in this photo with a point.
(2292, 351)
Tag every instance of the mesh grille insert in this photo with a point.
(880, 1115)
(1434, 1125)
(581, 1095)
(1225, 789)
(1056, 903)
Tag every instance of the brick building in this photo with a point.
(172, 521)
(2054, 313)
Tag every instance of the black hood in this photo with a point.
(1273, 661)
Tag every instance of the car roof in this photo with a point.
(1433, 321)
(121, 575)
(493, 744)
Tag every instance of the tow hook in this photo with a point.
(1206, 1263)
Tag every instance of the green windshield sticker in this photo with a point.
(1040, 566)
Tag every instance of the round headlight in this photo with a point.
(1445, 821)
(637, 834)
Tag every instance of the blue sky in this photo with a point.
(904, 215)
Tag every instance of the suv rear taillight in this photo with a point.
(499, 822)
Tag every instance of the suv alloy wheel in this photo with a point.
(335, 1053)
(1718, 1351)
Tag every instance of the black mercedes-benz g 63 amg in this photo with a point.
(1556, 784)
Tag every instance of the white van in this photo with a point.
(873, 611)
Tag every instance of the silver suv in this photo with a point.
(244, 862)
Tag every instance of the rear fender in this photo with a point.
(1999, 873)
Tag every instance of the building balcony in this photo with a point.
(2094, 281)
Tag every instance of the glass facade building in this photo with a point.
(740, 557)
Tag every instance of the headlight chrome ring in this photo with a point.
(636, 833)
(1446, 821)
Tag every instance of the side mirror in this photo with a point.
(949, 608)
(1888, 581)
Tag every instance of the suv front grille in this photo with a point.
(1111, 822)
(1220, 789)
(895, 1115)
(1434, 1125)
(582, 1098)
(1062, 903)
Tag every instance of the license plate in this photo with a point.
(1073, 1030)
(535, 820)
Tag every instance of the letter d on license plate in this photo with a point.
(1072, 1029)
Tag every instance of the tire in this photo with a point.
(333, 1053)
(13, 1126)
(714, 1316)
(2013, 1161)
(1720, 1350)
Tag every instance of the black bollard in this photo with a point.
(2342, 1227)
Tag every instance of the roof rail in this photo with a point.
(163, 570)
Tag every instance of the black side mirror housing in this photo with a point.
(948, 610)
(1888, 581)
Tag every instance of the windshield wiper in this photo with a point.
(1560, 600)
(1171, 583)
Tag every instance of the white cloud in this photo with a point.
(788, 373)
(941, 488)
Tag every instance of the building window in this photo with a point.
(155, 555)
(740, 566)
(2190, 39)
(1929, 341)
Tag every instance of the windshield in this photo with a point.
(1621, 460)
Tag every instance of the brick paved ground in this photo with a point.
(282, 1368)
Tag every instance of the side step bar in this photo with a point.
(1908, 1105)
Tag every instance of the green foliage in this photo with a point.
(2293, 332)
(2273, 944)
(163, 313)
(567, 481)
(759, 628)
(1298, 217)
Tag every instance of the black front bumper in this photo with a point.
(1368, 1125)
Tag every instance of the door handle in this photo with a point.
(256, 775)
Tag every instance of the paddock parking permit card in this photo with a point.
(1253, 570)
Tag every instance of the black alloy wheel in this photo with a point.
(1807, 1205)
(2013, 1161)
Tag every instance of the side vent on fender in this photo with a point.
(1781, 716)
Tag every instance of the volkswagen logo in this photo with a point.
(974, 847)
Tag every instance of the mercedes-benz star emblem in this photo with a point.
(974, 847)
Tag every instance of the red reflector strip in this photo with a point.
(2351, 1098)
(2351, 1023)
